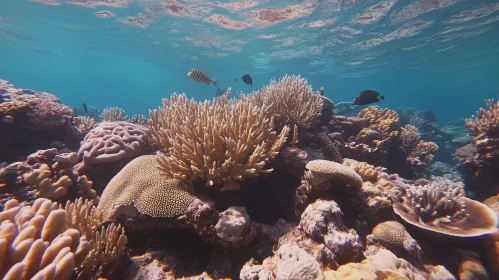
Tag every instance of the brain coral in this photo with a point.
(323, 170)
(141, 185)
(111, 141)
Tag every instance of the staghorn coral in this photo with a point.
(324, 170)
(83, 123)
(291, 100)
(365, 170)
(141, 186)
(111, 141)
(394, 236)
(114, 114)
(486, 121)
(139, 119)
(221, 141)
(479, 160)
(38, 243)
(441, 207)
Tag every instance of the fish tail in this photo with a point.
(382, 97)
(215, 82)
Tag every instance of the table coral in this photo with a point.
(440, 207)
(112, 141)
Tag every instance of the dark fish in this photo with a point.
(236, 79)
(221, 91)
(85, 107)
(367, 97)
(247, 79)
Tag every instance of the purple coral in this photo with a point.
(112, 141)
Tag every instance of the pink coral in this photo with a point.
(112, 141)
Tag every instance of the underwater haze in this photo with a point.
(439, 55)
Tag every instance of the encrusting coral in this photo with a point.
(364, 169)
(112, 141)
(44, 242)
(221, 141)
(141, 187)
(441, 207)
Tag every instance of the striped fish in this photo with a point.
(200, 77)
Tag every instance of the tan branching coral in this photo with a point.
(410, 136)
(486, 121)
(385, 121)
(139, 119)
(84, 123)
(221, 141)
(442, 208)
(418, 150)
(323, 170)
(142, 186)
(291, 101)
(114, 114)
(364, 169)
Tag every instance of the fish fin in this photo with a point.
(381, 97)
(215, 82)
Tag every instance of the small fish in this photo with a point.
(367, 97)
(200, 77)
(236, 80)
(85, 107)
(247, 79)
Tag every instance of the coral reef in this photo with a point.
(341, 197)
(479, 161)
(32, 120)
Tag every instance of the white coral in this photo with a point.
(295, 264)
(232, 224)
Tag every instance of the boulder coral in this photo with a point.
(141, 188)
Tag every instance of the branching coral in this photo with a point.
(221, 141)
(114, 114)
(291, 101)
(441, 207)
(83, 123)
(486, 121)
(139, 119)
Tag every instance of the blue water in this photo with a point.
(428, 54)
